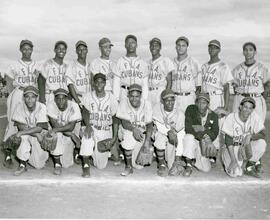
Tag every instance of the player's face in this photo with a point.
(181, 47)
(131, 45)
(82, 51)
(26, 51)
(169, 103)
(213, 50)
(61, 102)
(135, 98)
(249, 52)
(155, 48)
(202, 105)
(99, 85)
(246, 109)
(105, 50)
(30, 100)
(60, 51)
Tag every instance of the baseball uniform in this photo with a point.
(157, 82)
(250, 82)
(29, 149)
(185, 78)
(101, 112)
(64, 146)
(237, 129)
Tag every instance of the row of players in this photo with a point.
(102, 114)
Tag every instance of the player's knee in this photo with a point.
(261, 146)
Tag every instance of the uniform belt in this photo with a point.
(217, 92)
(125, 87)
(249, 94)
(153, 88)
(237, 143)
(182, 93)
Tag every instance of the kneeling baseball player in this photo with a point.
(244, 140)
(101, 129)
(169, 122)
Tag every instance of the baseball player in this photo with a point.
(250, 78)
(130, 69)
(103, 64)
(31, 120)
(63, 115)
(19, 75)
(159, 69)
(135, 114)
(186, 77)
(244, 132)
(169, 121)
(201, 127)
(100, 124)
(53, 74)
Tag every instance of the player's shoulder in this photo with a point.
(72, 104)
(255, 117)
(261, 64)
(238, 67)
(41, 106)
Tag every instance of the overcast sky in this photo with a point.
(233, 22)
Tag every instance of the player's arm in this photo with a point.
(149, 129)
(116, 122)
(257, 136)
(25, 130)
(41, 88)
(72, 91)
(127, 125)
(266, 89)
(9, 83)
(169, 80)
(226, 96)
(56, 127)
(88, 131)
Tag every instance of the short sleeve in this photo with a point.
(257, 123)
(122, 111)
(42, 114)
(44, 69)
(52, 110)
(86, 100)
(266, 74)
(226, 75)
(70, 75)
(18, 114)
(75, 112)
(227, 126)
(114, 105)
(169, 65)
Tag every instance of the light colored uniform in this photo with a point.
(250, 81)
(165, 121)
(29, 149)
(237, 129)
(130, 70)
(185, 78)
(101, 111)
(157, 81)
(138, 117)
(55, 76)
(106, 67)
(23, 74)
(64, 146)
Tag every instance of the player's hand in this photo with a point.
(232, 167)
(88, 131)
(19, 134)
(138, 134)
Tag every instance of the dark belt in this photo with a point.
(182, 93)
(125, 87)
(153, 88)
(249, 94)
(237, 143)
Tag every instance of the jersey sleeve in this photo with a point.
(266, 74)
(93, 67)
(122, 111)
(257, 123)
(227, 127)
(18, 114)
(44, 69)
(10, 72)
(70, 75)
(52, 110)
(86, 100)
(42, 114)
(75, 113)
(169, 65)
(114, 105)
(226, 76)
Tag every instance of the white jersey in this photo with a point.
(55, 75)
(79, 76)
(238, 129)
(158, 71)
(186, 75)
(106, 67)
(250, 79)
(71, 114)
(31, 119)
(215, 76)
(23, 73)
(101, 109)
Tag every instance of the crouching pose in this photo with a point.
(244, 140)
(169, 122)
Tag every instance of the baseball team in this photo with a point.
(174, 111)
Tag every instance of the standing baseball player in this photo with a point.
(63, 115)
(100, 125)
(186, 77)
(135, 114)
(244, 140)
(21, 74)
(159, 69)
(130, 69)
(169, 121)
(53, 74)
(31, 120)
(250, 78)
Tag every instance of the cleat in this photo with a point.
(177, 168)
(57, 170)
(86, 172)
(213, 161)
(252, 172)
(259, 168)
(127, 171)
(162, 170)
(188, 171)
(21, 169)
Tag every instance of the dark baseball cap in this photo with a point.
(248, 99)
(104, 41)
(60, 42)
(155, 39)
(80, 42)
(131, 36)
(23, 42)
(99, 75)
(182, 38)
(135, 87)
(30, 89)
(204, 96)
(215, 43)
(251, 44)
(167, 93)
(60, 91)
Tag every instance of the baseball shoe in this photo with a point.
(8, 163)
(162, 170)
(21, 169)
(188, 171)
(177, 168)
(213, 161)
(259, 168)
(127, 171)
(57, 169)
(86, 172)
(251, 171)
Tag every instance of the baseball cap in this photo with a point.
(167, 93)
(30, 89)
(60, 42)
(155, 39)
(60, 91)
(80, 42)
(104, 41)
(182, 38)
(248, 99)
(99, 75)
(131, 36)
(23, 42)
(214, 42)
(135, 87)
(251, 44)
(204, 96)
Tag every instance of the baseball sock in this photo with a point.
(57, 161)
(86, 161)
(189, 162)
(7, 154)
(22, 163)
(161, 156)
(128, 157)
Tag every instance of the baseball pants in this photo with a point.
(182, 101)
(258, 148)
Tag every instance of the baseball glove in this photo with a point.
(145, 156)
(105, 145)
(49, 141)
(13, 143)
(221, 112)
(172, 137)
(208, 149)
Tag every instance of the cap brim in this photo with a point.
(61, 93)
(30, 91)
(168, 96)
(214, 45)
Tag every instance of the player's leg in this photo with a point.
(57, 153)
(86, 150)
